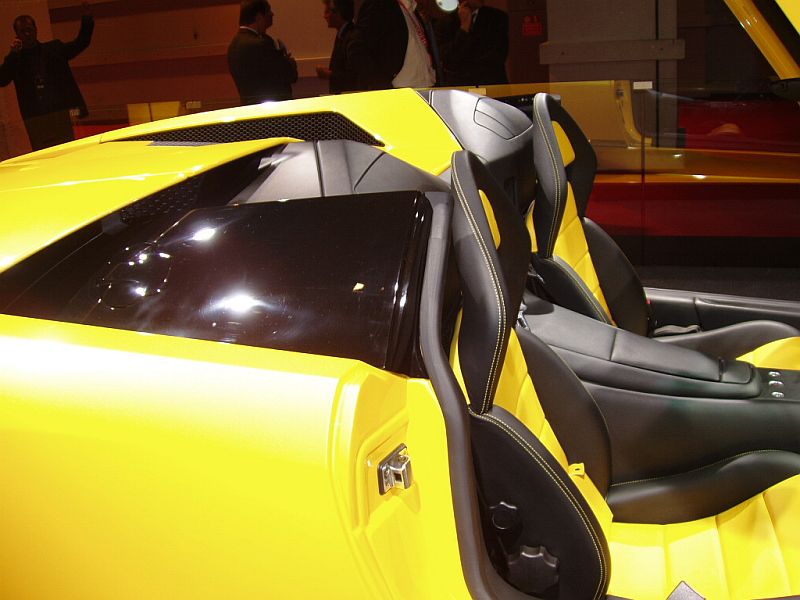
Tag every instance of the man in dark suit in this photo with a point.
(261, 69)
(392, 46)
(339, 16)
(476, 54)
(46, 89)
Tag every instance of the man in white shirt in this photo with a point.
(392, 46)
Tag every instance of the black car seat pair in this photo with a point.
(578, 266)
(554, 524)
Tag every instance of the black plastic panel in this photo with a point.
(320, 276)
(334, 275)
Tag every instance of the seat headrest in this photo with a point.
(492, 251)
(562, 156)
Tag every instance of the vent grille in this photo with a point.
(175, 199)
(308, 127)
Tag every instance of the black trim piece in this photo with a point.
(308, 127)
(480, 576)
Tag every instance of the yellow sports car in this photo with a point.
(282, 351)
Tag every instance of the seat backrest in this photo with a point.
(581, 267)
(524, 473)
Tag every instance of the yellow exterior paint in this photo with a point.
(144, 466)
(41, 201)
(780, 354)
(770, 45)
(50, 193)
(386, 114)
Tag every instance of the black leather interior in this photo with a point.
(498, 134)
(613, 357)
(671, 459)
(621, 287)
(703, 492)
(492, 278)
(551, 190)
(656, 435)
(733, 340)
(513, 467)
(712, 311)
(562, 284)
(581, 427)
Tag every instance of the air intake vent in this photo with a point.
(175, 199)
(308, 127)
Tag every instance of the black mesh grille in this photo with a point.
(174, 199)
(308, 127)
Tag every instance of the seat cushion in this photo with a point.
(780, 354)
(748, 551)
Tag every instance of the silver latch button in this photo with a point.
(395, 470)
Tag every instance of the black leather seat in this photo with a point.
(555, 524)
(581, 268)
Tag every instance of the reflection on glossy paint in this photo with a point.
(204, 234)
(238, 303)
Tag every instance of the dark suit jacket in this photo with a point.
(343, 77)
(478, 57)
(260, 70)
(379, 42)
(42, 77)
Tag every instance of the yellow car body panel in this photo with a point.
(153, 466)
(51, 193)
(367, 110)
(44, 200)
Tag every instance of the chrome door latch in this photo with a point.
(395, 470)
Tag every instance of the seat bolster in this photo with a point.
(732, 341)
(552, 511)
(703, 492)
(566, 288)
(621, 285)
(579, 425)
